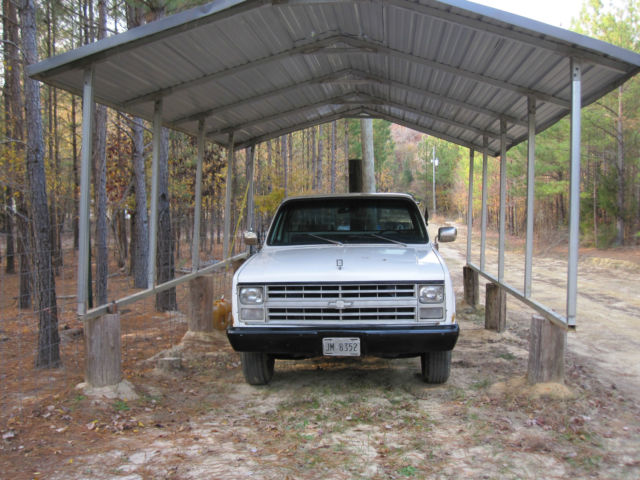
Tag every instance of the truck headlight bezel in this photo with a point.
(431, 293)
(251, 295)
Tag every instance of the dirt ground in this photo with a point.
(352, 419)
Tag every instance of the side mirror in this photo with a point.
(447, 234)
(250, 238)
(426, 215)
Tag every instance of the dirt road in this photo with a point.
(372, 418)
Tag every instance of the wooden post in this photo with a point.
(103, 364)
(547, 343)
(201, 304)
(495, 312)
(200, 315)
(471, 286)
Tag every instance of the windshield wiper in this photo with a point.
(375, 235)
(335, 242)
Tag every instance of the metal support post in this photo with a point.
(433, 179)
(470, 205)
(85, 187)
(503, 197)
(195, 242)
(483, 223)
(574, 191)
(531, 181)
(250, 167)
(227, 201)
(153, 220)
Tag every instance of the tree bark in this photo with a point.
(319, 159)
(166, 300)
(100, 175)
(334, 127)
(284, 151)
(48, 337)
(620, 221)
(141, 252)
(368, 170)
(13, 116)
(139, 246)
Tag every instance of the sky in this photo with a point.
(553, 12)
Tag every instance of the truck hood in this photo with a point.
(342, 263)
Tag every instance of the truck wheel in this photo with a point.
(436, 366)
(257, 367)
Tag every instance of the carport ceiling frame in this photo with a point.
(376, 50)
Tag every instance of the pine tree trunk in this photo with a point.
(165, 268)
(100, 190)
(48, 337)
(284, 152)
(319, 159)
(620, 221)
(9, 127)
(334, 128)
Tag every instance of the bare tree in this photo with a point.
(334, 128)
(100, 190)
(140, 230)
(48, 338)
(165, 268)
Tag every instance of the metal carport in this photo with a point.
(240, 72)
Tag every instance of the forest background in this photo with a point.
(39, 163)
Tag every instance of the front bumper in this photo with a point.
(377, 341)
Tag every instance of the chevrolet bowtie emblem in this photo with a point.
(340, 304)
(339, 263)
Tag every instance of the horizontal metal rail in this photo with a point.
(103, 309)
(551, 315)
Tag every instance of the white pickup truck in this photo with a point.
(345, 275)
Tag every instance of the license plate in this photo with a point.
(341, 347)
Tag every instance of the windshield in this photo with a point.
(347, 220)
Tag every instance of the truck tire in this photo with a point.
(257, 367)
(436, 366)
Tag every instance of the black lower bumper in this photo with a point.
(377, 341)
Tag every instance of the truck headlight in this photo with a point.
(431, 293)
(251, 295)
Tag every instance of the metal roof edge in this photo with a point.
(537, 28)
(131, 38)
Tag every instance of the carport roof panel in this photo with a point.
(452, 69)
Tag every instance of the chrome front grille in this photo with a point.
(338, 291)
(345, 314)
(352, 303)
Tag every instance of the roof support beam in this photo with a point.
(350, 77)
(440, 97)
(263, 96)
(418, 128)
(364, 47)
(212, 77)
(357, 99)
(345, 113)
(340, 100)
(460, 72)
(434, 117)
